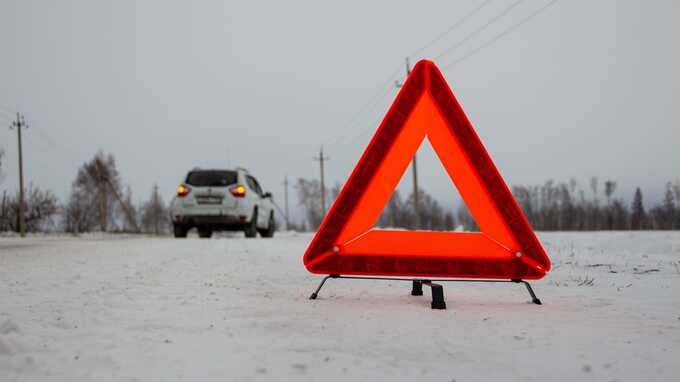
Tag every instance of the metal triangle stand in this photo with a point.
(438, 301)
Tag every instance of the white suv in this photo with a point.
(222, 200)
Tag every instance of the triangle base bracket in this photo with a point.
(438, 301)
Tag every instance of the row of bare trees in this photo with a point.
(40, 209)
(567, 207)
(398, 213)
(96, 203)
(551, 206)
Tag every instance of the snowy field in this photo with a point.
(106, 308)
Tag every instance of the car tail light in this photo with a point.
(183, 190)
(238, 191)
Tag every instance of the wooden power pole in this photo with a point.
(321, 158)
(285, 195)
(414, 167)
(18, 125)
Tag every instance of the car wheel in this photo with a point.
(251, 229)
(204, 233)
(271, 227)
(180, 231)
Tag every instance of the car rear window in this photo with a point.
(211, 178)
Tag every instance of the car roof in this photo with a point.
(219, 169)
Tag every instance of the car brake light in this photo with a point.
(238, 191)
(183, 190)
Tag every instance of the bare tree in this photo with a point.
(95, 191)
(663, 216)
(392, 215)
(335, 191)
(669, 206)
(78, 216)
(128, 210)
(155, 218)
(449, 221)
(619, 215)
(593, 187)
(676, 192)
(4, 223)
(609, 188)
(2, 156)
(4, 212)
(638, 217)
(465, 219)
(309, 196)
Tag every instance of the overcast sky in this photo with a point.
(585, 88)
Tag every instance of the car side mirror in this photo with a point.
(267, 195)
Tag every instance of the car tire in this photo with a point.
(180, 231)
(204, 233)
(269, 232)
(251, 229)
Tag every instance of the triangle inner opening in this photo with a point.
(441, 207)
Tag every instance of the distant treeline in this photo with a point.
(551, 206)
(99, 202)
(565, 206)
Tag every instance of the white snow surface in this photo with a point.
(108, 308)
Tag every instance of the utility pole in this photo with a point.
(285, 195)
(414, 165)
(321, 158)
(18, 125)
(156, 204)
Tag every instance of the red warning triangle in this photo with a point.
(347, 242)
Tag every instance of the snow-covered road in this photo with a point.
(109, 308)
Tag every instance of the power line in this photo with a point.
(500, 35)
(386, 89)
(49, 140)
(374, 100)
(453, 27)
(367, 106)
(371, 126)
(54, 145)
(479, 30)
(7, 114)
(343, 139)
(468, 37)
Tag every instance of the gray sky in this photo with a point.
(586, 88)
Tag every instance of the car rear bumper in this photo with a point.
(214, 222)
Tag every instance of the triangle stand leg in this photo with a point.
(438, 301)
(534, 299)
(318, 289)
(417, 289)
